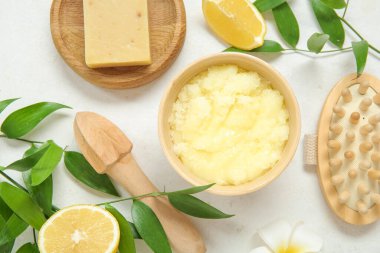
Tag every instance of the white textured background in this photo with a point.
(31, 68)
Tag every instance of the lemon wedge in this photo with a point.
(237, 22)
(80, 229)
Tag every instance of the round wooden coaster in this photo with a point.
(167, 20)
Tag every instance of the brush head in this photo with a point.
(347, 96)
(352, 174)
(355, 118)
(349, 149)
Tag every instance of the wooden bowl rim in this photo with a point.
(290, 147)
(165, 62)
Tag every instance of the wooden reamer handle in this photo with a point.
(182, 234)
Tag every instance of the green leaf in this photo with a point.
(22, 121)
(7, 248)
(46, 165)
(28, 248)
(127, 242)
(361, 52)
(317, 41)
(13, 227)
(194, 190)
(335, 4)
(78, 166)
(287, 24)
(150, 228)
(5, 211)
(42, 194)
(4, 104)
(269, 46)
(329, 22)
(195, 207)
(33, 149)
(2, 222)
(22, 205)
(266, 5)
(30, 159)
(4, 247)
(135, 233)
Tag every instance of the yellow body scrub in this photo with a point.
(228, 125)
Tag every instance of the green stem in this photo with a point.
(152, 194)
(34, 236)
(352, 28)
(336, 50)
(322, 52)
(297, 50)
(345, 9)
(21, 139)
(358, 34)
(12, 181)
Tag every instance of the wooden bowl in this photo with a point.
(249, 63)
(167, 24)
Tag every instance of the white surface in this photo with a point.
(31, 68)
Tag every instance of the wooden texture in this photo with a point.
(107, 145)
(108, 150)
(329, 191)
(249, 63)
(167, 35)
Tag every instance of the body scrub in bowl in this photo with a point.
(228, 125)
(229, 119)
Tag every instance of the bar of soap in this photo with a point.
(116, 33)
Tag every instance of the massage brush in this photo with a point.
(347, 152)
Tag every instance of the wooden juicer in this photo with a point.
(108, 150)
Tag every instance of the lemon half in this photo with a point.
(80, 229)
(237, 22)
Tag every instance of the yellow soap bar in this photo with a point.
(116, 33)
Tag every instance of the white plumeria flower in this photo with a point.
(281, 237)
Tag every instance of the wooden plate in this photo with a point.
(167, 34)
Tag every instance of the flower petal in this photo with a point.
(260, 250)
(304, 238)
(276, 235)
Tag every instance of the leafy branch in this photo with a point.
(330, 23)
(32, 204)
(358, 34)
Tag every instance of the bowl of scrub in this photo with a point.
(232, 120)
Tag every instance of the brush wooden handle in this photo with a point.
(182, 234)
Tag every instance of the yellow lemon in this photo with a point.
(80, 229)
(237, 22)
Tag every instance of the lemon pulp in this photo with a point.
(237, 22)
(80, 229)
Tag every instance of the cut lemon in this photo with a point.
(237, 22)
(80, 229)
